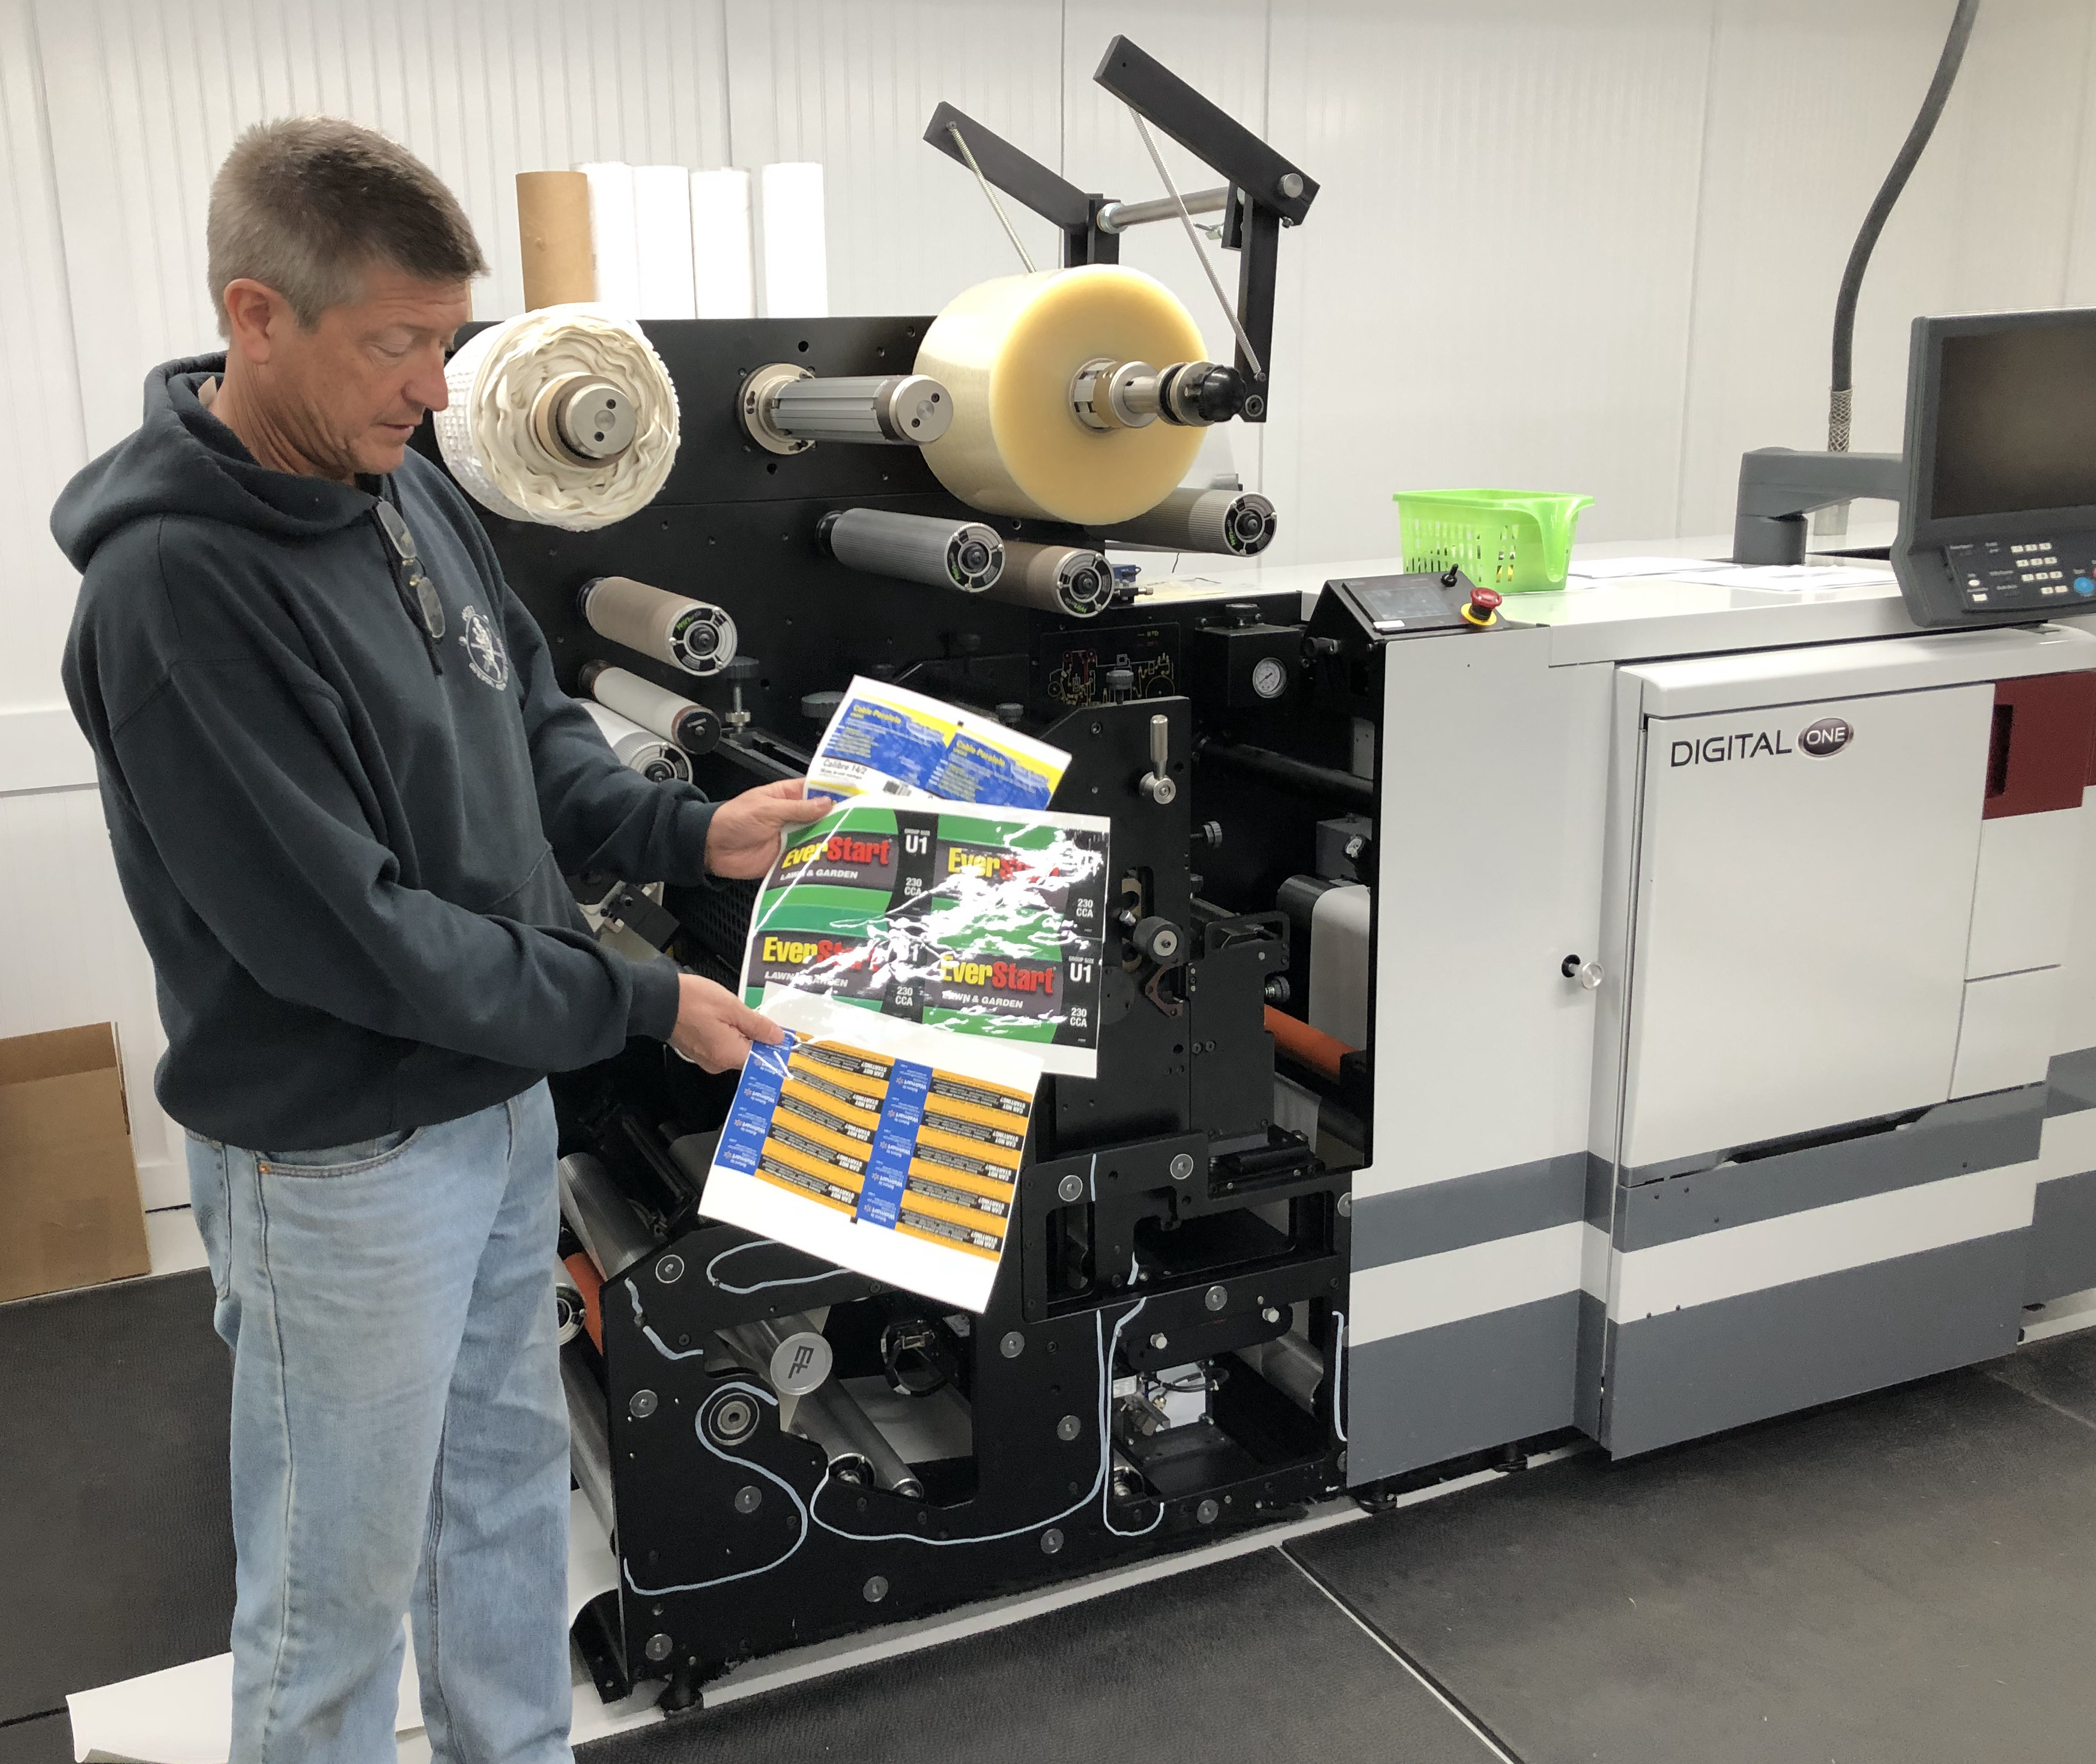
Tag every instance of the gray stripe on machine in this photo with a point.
(1974, 1132)
(2072, 1079)
(1692, 1372)
(1461, 1386)
(1600, 1192)
(2062, 1248)
(1464, 1210)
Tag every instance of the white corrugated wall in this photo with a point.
(1567, 244)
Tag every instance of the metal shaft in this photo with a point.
(1291, 1365)
(1118, 217)
(598, 1214)
(1290, 774)
(589, 1437)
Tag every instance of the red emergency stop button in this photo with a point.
(1483, 607)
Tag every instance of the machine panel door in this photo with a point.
(1804, 887)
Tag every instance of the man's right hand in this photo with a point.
(714, 1028)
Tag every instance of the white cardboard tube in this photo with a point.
(796, 274)
(611, 237)
(662, 240)
(723, 269)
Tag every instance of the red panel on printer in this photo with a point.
(2043, 753)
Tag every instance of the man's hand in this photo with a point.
(743, 837)
(714, 1028)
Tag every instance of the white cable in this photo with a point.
(1339, 1374)
(1186, 221)
(1010, 232)
(487, 433)
(762, 1286)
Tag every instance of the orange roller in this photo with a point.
(583, 1271)
(1315, 1049)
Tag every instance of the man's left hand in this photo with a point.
(743, 837)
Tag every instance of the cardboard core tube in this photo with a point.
(553, 236)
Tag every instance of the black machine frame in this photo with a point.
(1166, 1219)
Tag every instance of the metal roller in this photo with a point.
(924, 548)
(692, 727)
(658, 760)
(589, 1437)
(691, 634)
(784, 409)
(835, 1422)
(1239, 522)
(1291, 1365)
(1074, 580)
(598, 1214)
(1106, 395)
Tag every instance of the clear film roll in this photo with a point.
(691, 634)
(1009, 351)
(1072, 580)
(564, 416)
(645, 751)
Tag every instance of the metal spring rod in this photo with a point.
(1208, 269)
(1118, 217)
(1010, 232)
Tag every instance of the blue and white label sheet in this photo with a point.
(880, 1145)
(887, 742)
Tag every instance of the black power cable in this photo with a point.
(1874, 223)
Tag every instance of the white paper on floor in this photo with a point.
(184, 1715)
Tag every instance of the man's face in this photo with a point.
(348, 394)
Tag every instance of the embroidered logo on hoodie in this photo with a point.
(483, 649)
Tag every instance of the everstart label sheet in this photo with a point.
(880, 1145)
(985, 923)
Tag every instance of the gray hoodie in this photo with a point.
(344, 841)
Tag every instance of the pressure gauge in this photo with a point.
(1270, 677)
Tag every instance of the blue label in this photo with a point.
(894, 1143)
(888, 740)
(975, 772)
(750, 1119)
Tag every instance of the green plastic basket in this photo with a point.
(1510, 540)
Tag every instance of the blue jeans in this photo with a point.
(400, 1438)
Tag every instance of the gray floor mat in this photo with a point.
(1906, 1579)
(40, 1739)
(1243, 1659)
(2062, 1372)
(114, 1524)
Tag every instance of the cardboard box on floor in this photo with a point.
(69, 1210)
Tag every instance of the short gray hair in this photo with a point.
(307, 204)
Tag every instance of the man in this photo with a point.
(343, 828)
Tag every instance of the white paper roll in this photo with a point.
(1008, 350)
(640, 749)
(656, 708)
(797, 273)
(487, 437)
(663, 234)
(723, 268)
(613, 237)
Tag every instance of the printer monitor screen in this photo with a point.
(2015, 426)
